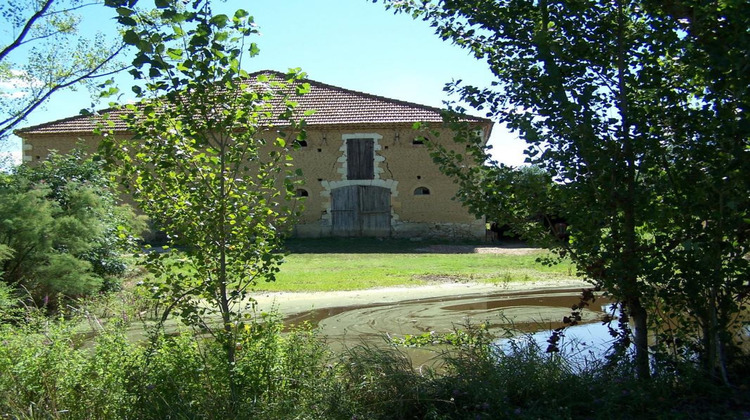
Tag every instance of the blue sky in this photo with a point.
(353, 44)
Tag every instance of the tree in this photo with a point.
(206, 161)
(61, 231)
(638, 112)
(46, 53)
(122, 228)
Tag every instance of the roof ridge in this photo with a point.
(374, 96)
(61, 120)
(351, 107)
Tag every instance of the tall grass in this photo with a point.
(46, 373)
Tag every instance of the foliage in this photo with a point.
(474, 336)
(121, 226)
(481, 382)
(53, 369)
(274, 375)
(62, 230)
(45, 373)
(637, 111)
(206, 162)
(44, 52)
(8, 300)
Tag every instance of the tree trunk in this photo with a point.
(229, 339)
(223, 296)
(715, 364)
(627, 204)
(639, 318)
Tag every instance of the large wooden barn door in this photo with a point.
(361, 210)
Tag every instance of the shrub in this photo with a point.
(49, 369)
(276, 375)
(45, 374)
(63, 230)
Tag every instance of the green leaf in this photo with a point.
(220, 20)
(254, 50)
(174, 54)
(302, 89)
(127, 21)
(131, 37)
(124, 11)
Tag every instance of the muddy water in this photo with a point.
(522, 312)
(530, 312)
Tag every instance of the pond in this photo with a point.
(532, 313)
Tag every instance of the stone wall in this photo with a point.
(421, 197)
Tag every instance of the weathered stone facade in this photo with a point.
(421, 197)
(401, 192)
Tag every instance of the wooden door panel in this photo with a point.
(360, 159)
(344, 211)
(375, 211)
(361, 210)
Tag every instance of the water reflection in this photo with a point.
(581, 344)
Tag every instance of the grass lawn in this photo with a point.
(350, 264)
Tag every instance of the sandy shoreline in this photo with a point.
(291, 303)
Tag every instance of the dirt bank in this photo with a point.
(512, 249)
(290, 303)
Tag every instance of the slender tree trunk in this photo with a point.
(715, 363)
(640, 331)
(223, 296)
(627, 204)
(713, 336)
(229, 339)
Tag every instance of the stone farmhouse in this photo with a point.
(366, 170)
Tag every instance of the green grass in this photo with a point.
(322, 266)
(356, 264)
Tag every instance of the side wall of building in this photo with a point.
(37, 147)
(421, 198)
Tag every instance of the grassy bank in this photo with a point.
(317, 265)
(352, 264)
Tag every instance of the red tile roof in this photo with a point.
(333, 106)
